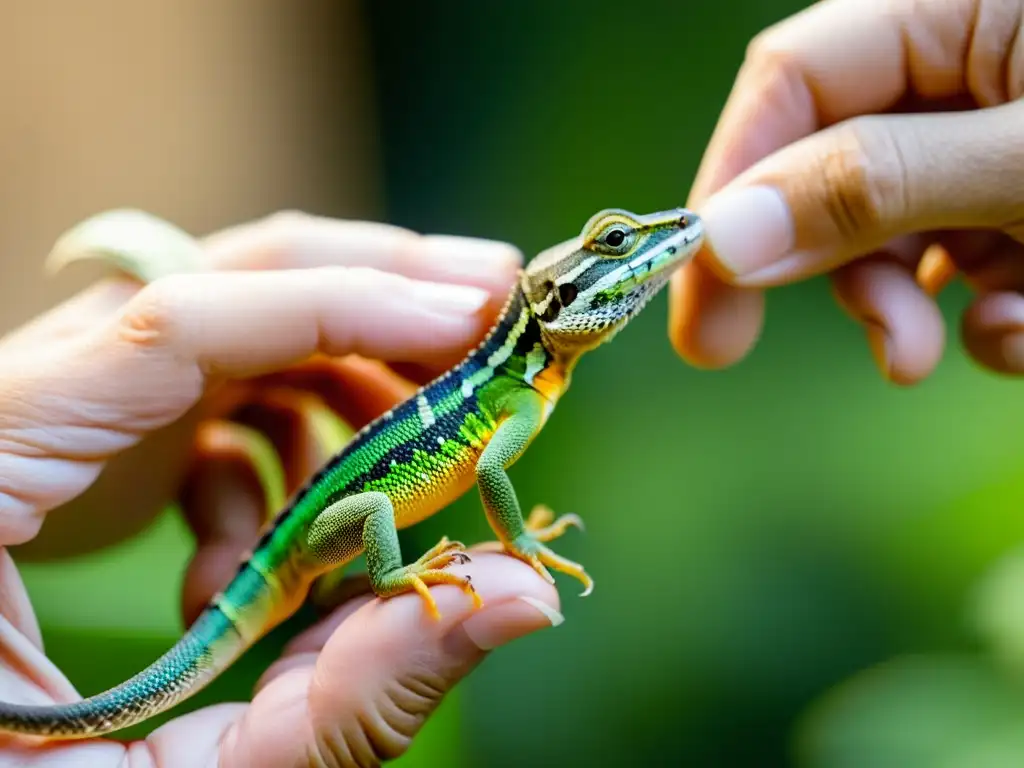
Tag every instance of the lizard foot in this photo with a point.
(542, 525)
(443, 554)
(428, 571)
(529, 548)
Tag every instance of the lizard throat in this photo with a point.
(516, 348)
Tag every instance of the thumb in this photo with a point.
(356, 688)
(848, 190)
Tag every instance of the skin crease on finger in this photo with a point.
(799, 78)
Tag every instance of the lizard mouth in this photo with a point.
(656, 265)
(633, 283)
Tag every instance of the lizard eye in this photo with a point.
(615, 238)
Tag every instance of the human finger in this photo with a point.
(833, 61)
(357, 693)
(292, 240)
(844, 192)
(904, 327)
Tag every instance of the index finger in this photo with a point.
(147, 247)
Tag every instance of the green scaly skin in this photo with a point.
(466, 427)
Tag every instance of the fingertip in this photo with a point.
(903, 324)
(750, 233)
(488, 264)
(500, 624)
(499, 576)
(993, 331)
(712, 324)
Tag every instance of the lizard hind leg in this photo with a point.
(367, 521)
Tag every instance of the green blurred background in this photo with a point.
(796, 564)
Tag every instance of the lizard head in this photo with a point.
(586, 289)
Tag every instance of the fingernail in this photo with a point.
(878, 340)
(445, 297)
(748, 229)
(470, 257)
(502, 623)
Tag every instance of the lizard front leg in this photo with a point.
(366, 521)
(524, 539)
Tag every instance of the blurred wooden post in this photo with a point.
(204, 113)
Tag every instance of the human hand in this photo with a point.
(99, 404)
(858, 134)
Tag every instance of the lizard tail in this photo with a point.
(211, 644)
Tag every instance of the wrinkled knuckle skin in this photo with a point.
(862, 174)
(151, 317)
(363, 742)
(767, 54)
(282, 226)
(279, 234)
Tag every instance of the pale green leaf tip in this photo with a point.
(138, 243)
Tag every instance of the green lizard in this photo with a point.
(467, 426)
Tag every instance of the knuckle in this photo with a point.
(863, 176)
(409, 248)
(279, 234)
(152, 315)
(767, 52)
(285, 223)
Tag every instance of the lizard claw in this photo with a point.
(429, 571)
(443, 554)
(533, 552)
(543, 526)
